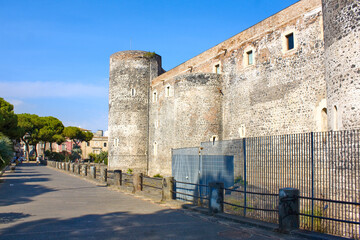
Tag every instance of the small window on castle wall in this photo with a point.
(167, 91)
(154, 97)
(290, 41)
(87, 144)
(250, 57)
(217, 69)
(133, 92)
(155, 148)
(104, 144)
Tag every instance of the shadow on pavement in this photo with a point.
(164, 224)
(19, 188)
(12, 217)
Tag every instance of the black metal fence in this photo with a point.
(324, 166)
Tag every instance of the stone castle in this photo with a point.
(296, 71)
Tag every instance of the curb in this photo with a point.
(264, 225)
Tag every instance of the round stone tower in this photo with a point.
(198, 114)
(342, 62)
(130, 75)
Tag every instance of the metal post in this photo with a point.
(245, 180)
(312, 181)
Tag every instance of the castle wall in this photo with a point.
(342, 54)
(283, 91)
(130, 76)
(183, 116)
(256, 83)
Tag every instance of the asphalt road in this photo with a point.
(37, 202)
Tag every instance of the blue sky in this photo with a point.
(54, 55)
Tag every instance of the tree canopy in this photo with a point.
(8, 120)
(77, 135)
(51, 127)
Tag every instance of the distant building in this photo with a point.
(98, 144)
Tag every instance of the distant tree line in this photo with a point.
(33, 129)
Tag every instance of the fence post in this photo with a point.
(118, 177)
(312, 181)
(84, 170)
(103, 174)
(93, 171)
(216, 197)
(168, 189)
(289, 209)
(138, 182)
(78, 168)
(67, 166)
(245, 180)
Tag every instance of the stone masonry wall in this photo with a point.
(342, 56)
(283, 91)
(130, 76)
(187, 115)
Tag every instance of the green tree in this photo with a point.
(6, 150)
(59, 139)
(77, 135)
(51, 127)
(29, 126)
(8, 120)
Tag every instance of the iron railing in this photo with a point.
(324, 166)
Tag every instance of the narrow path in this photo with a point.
(38, 202)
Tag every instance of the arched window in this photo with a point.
(324, 126)
(335, 120)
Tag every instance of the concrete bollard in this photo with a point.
(63, 166)
(67, 166)
(84, 170)
(168, 189)
(77, 169)
(216, 198)
(93, 171)
(138, 182)
(103, 174)
(118, 177)
(289, 209)
(72, 167)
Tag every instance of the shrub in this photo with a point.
(149, 54)
(102, 157)
(158, 175)
(6, 151)
(239, 179)
(129, 171)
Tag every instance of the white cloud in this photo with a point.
(26, 89)
(15, 102)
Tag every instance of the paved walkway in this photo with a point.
(37, 202)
